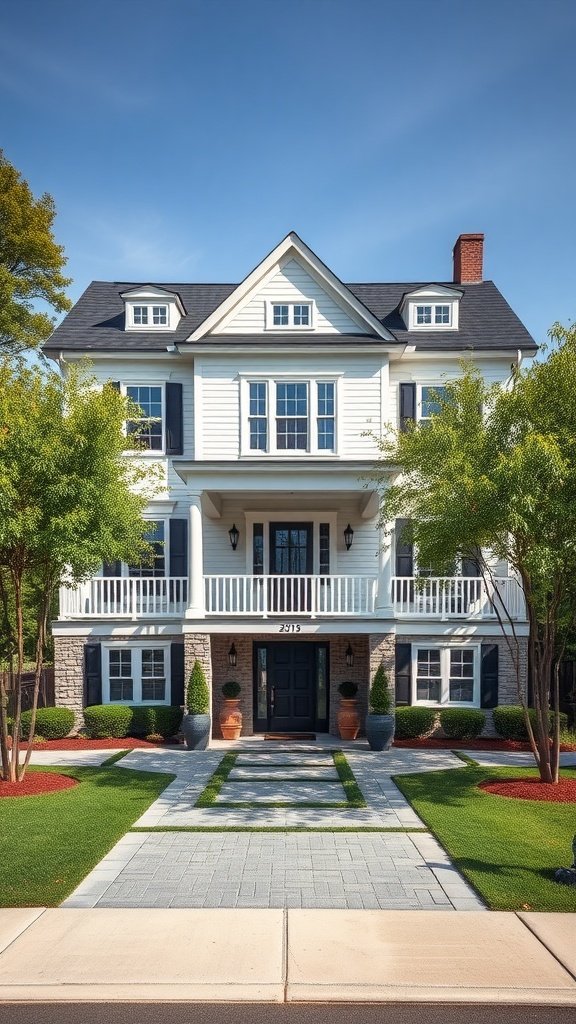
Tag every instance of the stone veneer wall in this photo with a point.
(507, 686)
(69, 675)
(197, 647)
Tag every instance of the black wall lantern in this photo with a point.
(349, 656)
(232, 656)
(348, 537)
(234, 535)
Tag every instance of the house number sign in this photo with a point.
(293, 627)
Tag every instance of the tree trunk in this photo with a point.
(40, 643)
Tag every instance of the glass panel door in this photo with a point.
(290, 556)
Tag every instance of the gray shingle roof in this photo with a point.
(96, 323)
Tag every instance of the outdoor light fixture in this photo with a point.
(232, 657)
(349, 656)
(348, 537)
(234, 535)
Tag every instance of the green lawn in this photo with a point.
(48, 844)
(508, 849)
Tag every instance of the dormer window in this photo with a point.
(141, 315)
(433, 315)
(160, 315)
(288, 315)
(432, 307)
(145, 315)
(151, 308)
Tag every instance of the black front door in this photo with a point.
(292, 687)
(290, 556)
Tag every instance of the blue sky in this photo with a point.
(181, 140)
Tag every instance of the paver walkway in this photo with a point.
(363, 868)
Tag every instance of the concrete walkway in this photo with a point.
(274, 956)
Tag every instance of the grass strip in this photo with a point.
(115, 757)
(464, 757)
(49, 842)
(274, 828)
(508, 849)
(216, 781)
(347, 778)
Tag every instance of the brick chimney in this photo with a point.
(468, 257)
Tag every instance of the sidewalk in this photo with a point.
(290, 956)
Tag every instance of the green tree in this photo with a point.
(495, 471)
(69, 500)
(31, 264)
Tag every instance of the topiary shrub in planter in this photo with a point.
(51, 723)
(108, 721)
(380, 717)
(462, 723)
(509, 722)
(347, 717)
(230, 714)
(196, 723)
(412, 723)
(161, 719)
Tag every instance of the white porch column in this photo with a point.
(196, 605)
(383, 605)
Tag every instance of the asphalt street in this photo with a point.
(246, 1013)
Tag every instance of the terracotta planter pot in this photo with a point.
(348, 719)
(231, 720)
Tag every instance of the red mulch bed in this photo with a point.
(127, 743)
(564, 792)
(446, 744)
(37, 783)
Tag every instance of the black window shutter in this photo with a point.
(177, 674)
(115, 384)
(93, 674)
(489, 676)
(178, 547)
(471, 565)
(403, 673)
(174, 439)
(407, 405)
(404, 550)
(112, 569)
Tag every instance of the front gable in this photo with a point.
(292, 274)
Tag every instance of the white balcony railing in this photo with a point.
(290, 595)
(131, 597)
(457, 597)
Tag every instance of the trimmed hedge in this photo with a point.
(160, 719)
(509, 721)
(51, 723)
(462, 723)
(412, 723)
(348, 689)
(108, 721)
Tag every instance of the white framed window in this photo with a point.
(159, 316)
(149, 315)
(289, 315)
(157, 536)
(140, 315)
(433, 314)
(447, 676)
(291, 415)
(136, 673)
(149, 426)
(429, 400)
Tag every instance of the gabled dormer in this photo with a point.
(150, 308)
(431, 307)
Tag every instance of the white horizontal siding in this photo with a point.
(292, 284)
(494, 369)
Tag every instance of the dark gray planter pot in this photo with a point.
(196, 729)
(380, 731)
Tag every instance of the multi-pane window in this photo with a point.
(434, 314)
(153, 675)
(160, 315)
(155, 536)
(431, 398)
(446, 675)
(120, 675)
(292, 416)
(291, 314)
(148, 426)
(326, 419)
(428, 675)
(141, 315)
(258, 416)
(462, 676)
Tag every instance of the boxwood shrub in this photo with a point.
(51, 723)
(162, 719)
(462, 723)
(414, 722)
(108, 721)
(509, 721)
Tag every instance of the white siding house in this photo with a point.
(263, 402)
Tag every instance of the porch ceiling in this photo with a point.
(364, 502)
